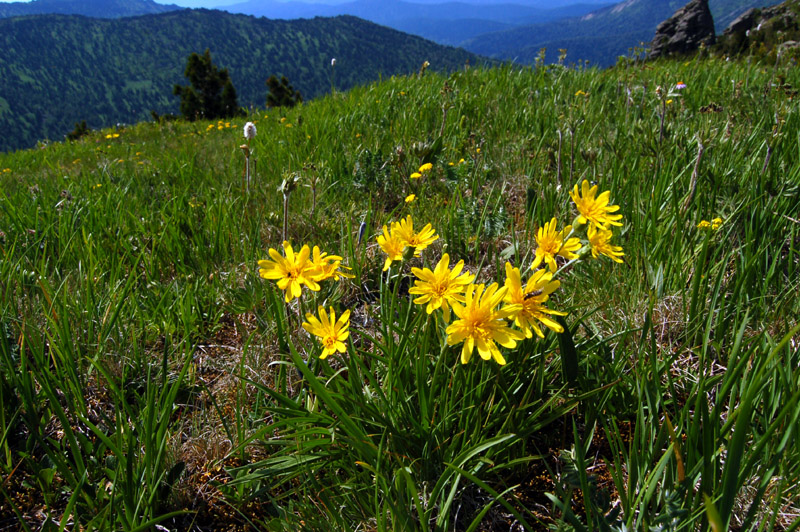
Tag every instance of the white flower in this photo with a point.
(249, 131)
(333, 62)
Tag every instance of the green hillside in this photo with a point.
(600, 37)
(89, 8)
(58, 70)
(564, 299)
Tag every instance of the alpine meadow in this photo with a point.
(501, 298)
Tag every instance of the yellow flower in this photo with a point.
(550, 242)
(594, 209)
(410, 198)
(289, 125)
(292, 271)
(327, 266)
(332, 332)
(425, 168)
(441, 287)
(461, 161)
(419, 240)
(599, 240)
(451, 163)
(283, 119)
(531, 299)
(481, 324)
(415, 175)
(669, 102)
(580, 93)
(392, 245)
(714, 224)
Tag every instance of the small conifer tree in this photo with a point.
(80, 130)
(281, 93)
(210, 94)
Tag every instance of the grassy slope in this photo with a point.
(129, 257)
(135, 62)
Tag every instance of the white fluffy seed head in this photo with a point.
(249, 131)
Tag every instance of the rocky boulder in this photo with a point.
(684, 32)
(743, 23)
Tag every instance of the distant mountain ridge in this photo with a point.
(446, 22)
(58, 70)
(89, 8)
(600, 36)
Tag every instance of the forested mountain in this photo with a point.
(600, 36)
(89, 8)
(58, 70)
(446, 22)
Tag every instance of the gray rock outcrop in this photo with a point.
(684, 32)
(782, 16)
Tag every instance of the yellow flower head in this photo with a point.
(550, 242)
(327, 266)
(410, 198)
(415, 175)
(714, 224)
(292, 271)
(599, 238)
(594, 209)
(441, 287)
(482, 325)
(419, 240)
(392, 245)
(425, 168)
(531, 299)
(332, 332)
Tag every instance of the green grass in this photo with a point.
(149, 375)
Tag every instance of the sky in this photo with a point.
(198, 3)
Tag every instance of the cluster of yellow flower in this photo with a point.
(309, 268)
(294, 270)
(714, 224)
(221, 124)
(6, 170)
(424, 169)
(483, 312)
(402, 237)
(112, 136)
(481, 323)
(595, 212)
